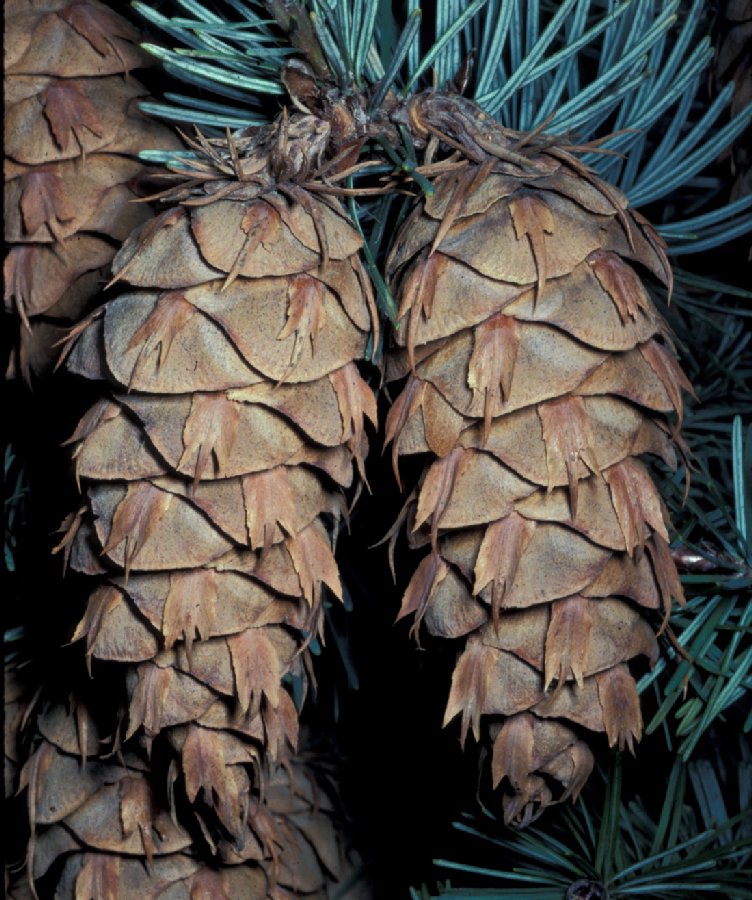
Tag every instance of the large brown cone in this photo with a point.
(538, 372)
(214, 476)
(72, 132)
(102, 831)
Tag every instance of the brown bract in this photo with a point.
(538, 371)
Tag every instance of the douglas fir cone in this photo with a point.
(214, 475)
(538, 372)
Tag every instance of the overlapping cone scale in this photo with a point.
(534, 372)
(214, 475)
(72, 132)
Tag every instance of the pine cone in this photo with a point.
(214, 476)
(72, 131)
(538, 372)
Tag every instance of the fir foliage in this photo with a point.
(632, 72)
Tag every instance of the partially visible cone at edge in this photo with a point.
(72, 133)
(102, 828)
(214, 474)
(538, 373)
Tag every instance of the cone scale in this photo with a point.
(535, 374)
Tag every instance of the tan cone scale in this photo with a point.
(538, 373)
(100, 827)
(72, 132)
(214, 476)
